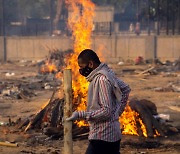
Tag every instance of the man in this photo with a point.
(107, 98)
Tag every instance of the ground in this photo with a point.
(142, 87)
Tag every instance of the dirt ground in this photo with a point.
(142, 87)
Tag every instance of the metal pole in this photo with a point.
(179, 17)
(4, 30)
(110, 28)
(157, 9)
(167, 17)
(137, 11)
(51, 17)
(173, 17)
(148, 17)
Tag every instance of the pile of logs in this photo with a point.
(147, 111)
(50, 120)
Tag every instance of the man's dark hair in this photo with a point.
(87, 55)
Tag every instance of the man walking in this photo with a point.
(107, 98)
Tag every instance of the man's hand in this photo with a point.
(74, 116)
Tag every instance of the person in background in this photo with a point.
(131, 27)
(138, 28)
(107, 98)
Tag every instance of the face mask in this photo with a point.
(85, 71)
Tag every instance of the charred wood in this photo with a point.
(145, 111)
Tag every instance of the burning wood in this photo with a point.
(55, 61)
(42, 115)
(146, 109)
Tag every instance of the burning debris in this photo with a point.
(55, 61)
(146, 111)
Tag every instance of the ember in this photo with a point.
(50, 68)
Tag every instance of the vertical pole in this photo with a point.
(3, 31)
(68, 145)
(51, 17)
(3, 18)
(137, 11)
(167, 17)
(157, 10)
(148, 17)
(178, 17)
(173, 17)
(110, 28)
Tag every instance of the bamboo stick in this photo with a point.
(68, 145)
(147, 70)
(8, 144)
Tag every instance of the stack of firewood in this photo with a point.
(50, 120)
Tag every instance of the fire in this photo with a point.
(129, 120)
(48, 68)
(80, 22)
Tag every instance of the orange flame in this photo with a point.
(80, 22)
(129, 120)
(48, 68)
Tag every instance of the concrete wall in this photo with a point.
(110, 48)
(34, 47)
(117, 48)
(104, 14)
(168, 48)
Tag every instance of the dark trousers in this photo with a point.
(103, 147)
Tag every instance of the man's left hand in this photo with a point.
(74, 116)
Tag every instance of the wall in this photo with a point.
(34, 47)
(104, 14)
(112, 48)
(168, 47)
(118, 48)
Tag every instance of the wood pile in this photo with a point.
(49, 120)
(147, 111)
